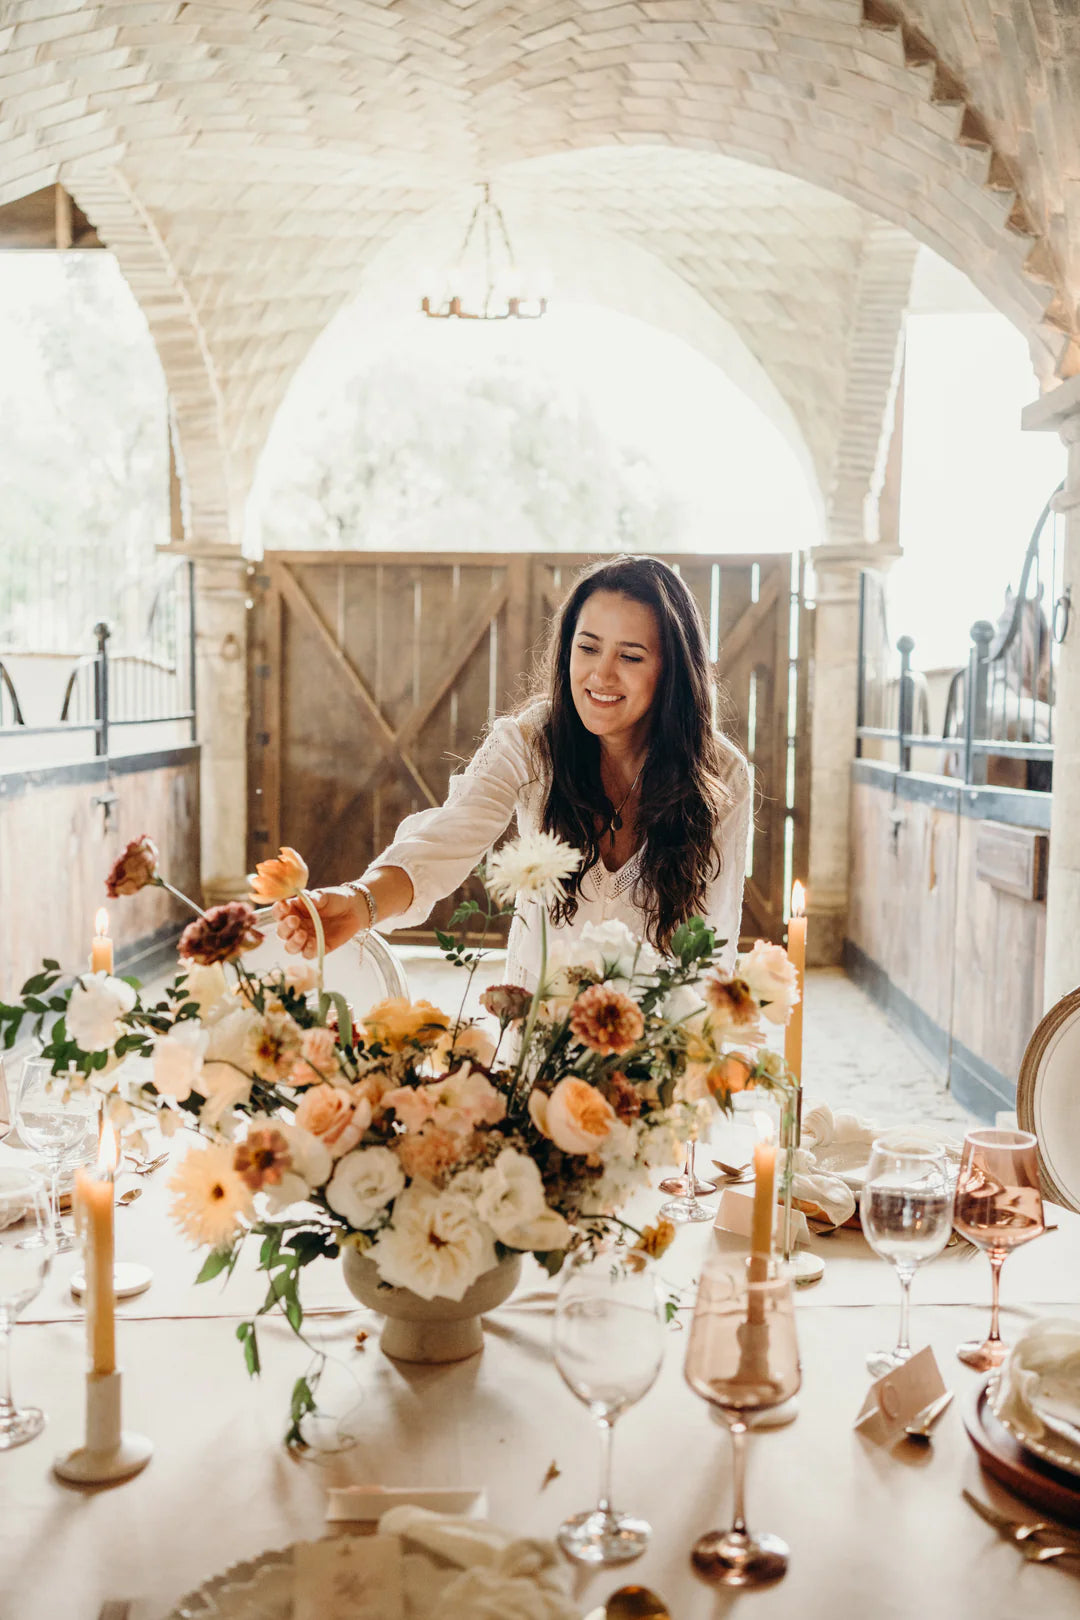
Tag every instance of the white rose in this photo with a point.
(772, 979)
(435, 1245)
(363, 1183)
(510, 1198)
(228, 1042)
(225, 1077)
(97, 1003)
(178, 1059)
(682, 1004)
(612, 952)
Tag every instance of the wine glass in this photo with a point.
(906, 1213)
(998, 1206)
(57, 1117)
(5, 1103)
(26, 1251)
(743, 1357)
(687, 1189)
(609, 1344)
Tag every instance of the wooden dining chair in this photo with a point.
(1048, 1099)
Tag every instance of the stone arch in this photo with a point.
(194, 391)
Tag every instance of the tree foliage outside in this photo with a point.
(84, 458)
(420, 453)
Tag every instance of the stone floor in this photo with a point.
(855, 1059)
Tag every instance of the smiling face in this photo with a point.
(615, 667)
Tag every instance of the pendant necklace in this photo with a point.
(615, 824)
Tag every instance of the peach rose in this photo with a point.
(278, 879)
(575, 1116)
(334, 1117)
(318, 1057)
(471, 1042)
(729, 1074)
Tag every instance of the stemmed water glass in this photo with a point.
(5, 1103)
(26, 1251)
(609, 1344)
(743, 1357)
(906, 1213)
(998, 1207)
(687, 1189)
(57, 1117)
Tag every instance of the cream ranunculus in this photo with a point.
(178, 1059)
(773, 982)
(209, 989)
(363, 1183)
(97, 1003)
(436, 1245)
(576, 1117)
(511, 1200)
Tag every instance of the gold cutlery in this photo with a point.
(147, 1166)
(130, 1196)
(632, 1603)
(921, 1424)
(731, 1170)
(1023, 1531)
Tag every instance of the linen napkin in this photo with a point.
(821, 1196)
(364, 1504)
(500, 1577)
(1039, 1386)
(822, 1128)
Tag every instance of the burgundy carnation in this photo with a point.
(134, 869)
(223, 933)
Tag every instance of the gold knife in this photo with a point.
(1020, 1530)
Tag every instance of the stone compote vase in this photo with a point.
(430, 1330)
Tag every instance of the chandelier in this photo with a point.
(485, 283)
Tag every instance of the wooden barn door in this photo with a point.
(373, 675)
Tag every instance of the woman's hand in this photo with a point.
(343, 914)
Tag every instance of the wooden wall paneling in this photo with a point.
(265, 751)
(396, 794)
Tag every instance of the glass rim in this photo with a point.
(1001, 1136)
(914, 1149)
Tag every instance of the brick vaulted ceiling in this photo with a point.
(250, 160)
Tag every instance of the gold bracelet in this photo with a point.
(358, 886)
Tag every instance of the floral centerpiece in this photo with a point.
(432, 1144)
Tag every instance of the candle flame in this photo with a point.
(101, 923)
(798, 900)
(764, 1127)
(108, 1149)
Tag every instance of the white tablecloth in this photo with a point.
(874, 1534)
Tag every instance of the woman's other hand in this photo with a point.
(342, 912)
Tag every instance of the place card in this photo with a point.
(366, 1504)
(892, 1401)
(354, 1578)
(735, 1214)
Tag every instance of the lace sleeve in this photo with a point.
(438, 848)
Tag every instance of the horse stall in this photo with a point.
(950, 830)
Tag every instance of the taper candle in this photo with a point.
(101, 946)
(796, 950)
(94, 1198)
(764, 1197)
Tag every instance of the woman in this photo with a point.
(621, 759)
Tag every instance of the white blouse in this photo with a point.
(438, 848)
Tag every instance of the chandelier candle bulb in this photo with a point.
(796, 950)
(101, 946)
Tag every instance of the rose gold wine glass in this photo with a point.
(998, 1206)
(687, 1189)
(743, 1357)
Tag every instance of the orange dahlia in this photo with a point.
(606, 1020)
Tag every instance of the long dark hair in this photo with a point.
(683, 791)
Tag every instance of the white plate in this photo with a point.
(263, 1589)
(1053, 1447)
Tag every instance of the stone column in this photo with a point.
(1059, 411)
(221, 668)
(833, 698)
